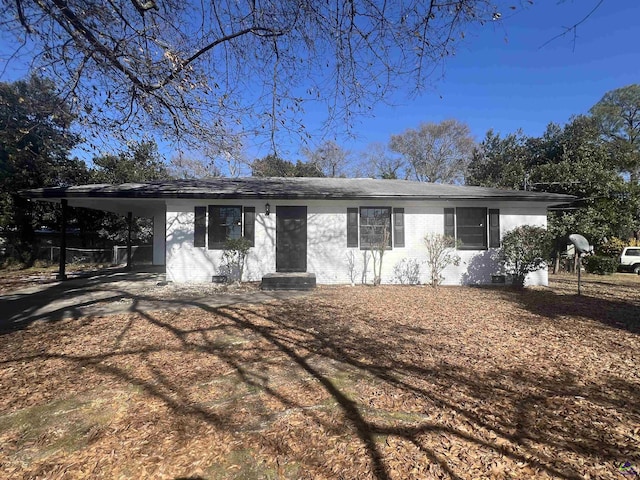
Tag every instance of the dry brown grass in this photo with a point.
(387, 382)
(14, 278)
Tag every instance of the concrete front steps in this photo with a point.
(289, 281)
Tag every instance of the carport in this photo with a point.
(120, 199)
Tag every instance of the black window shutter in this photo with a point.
(494, 228)
(217, 232)
(449, 222)
(352, 227)
(398, 227)
(199, 226)
(250, 224)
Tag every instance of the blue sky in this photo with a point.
(501, 78)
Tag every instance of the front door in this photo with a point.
(291, 239)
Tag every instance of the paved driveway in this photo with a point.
(117, 291)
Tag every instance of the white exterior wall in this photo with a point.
(159, 238)
(327, 253)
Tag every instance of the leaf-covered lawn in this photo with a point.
(354, 383)
(17, 278)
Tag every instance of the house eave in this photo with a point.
(56, 196)
(293, 189)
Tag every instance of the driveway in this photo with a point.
(114, 291)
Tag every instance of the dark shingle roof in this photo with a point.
(292, 188)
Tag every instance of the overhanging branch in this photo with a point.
(80, 29)
(574, 27)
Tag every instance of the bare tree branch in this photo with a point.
(202, 71)
(573, 28)
(21, 17)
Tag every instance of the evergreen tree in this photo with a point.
(35, 142)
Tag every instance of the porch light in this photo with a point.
(267, 209)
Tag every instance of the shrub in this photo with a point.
(612, 248)
(351, 266)
(407, 271)
(440, 254)
(600, 265)
(234, 256)
(377, 254)
(524, 251)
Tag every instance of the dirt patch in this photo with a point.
(181, 290)
(385, 383)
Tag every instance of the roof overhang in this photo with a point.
(143, 207)
(151, 196)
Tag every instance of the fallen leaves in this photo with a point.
(383, 383)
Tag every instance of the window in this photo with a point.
(473, 228)
(375, 227)
(224, 223)
(375, 223)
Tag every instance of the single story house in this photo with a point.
(324, 226)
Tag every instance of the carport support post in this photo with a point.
(129, 227)
(63, 242)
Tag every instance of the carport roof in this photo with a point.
(290, 188)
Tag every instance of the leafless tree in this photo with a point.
(209, 71)
(351, 266)
(366, 257)
(440, 254)
(190, 167)
(380, 162)
(329, 158)
(436, 152)
(377, 253)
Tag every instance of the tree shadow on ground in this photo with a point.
(103, 293)
(543, 421)
(593, 305)
(67, 298)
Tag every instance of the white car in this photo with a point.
(630, 259)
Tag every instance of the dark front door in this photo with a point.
(291, 239)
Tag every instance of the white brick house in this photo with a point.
(324, 226)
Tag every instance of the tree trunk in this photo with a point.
(518, 280)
